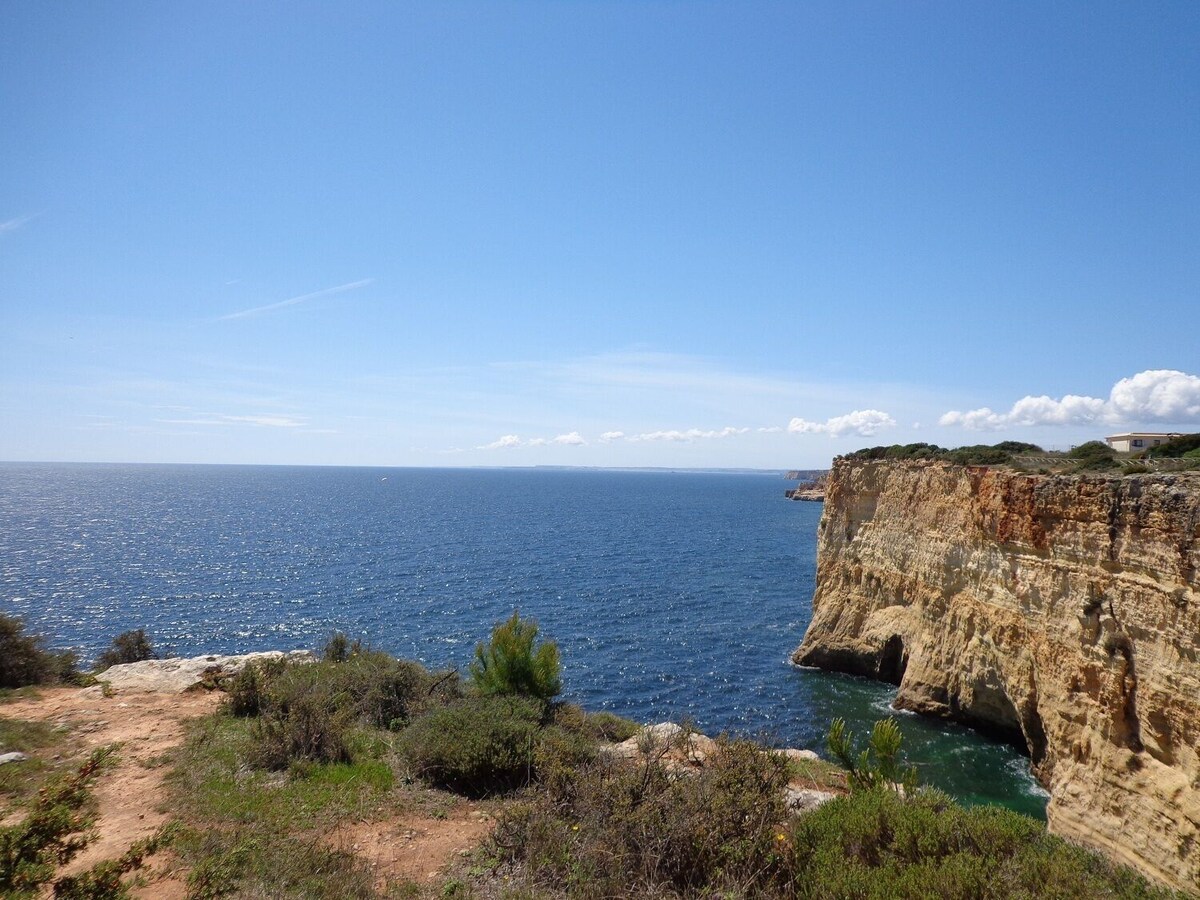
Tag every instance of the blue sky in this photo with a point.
(671, 234)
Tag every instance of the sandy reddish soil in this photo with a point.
(414, 849)
(131, 794)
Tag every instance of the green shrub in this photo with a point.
(1094, 456)
(476, 746)
(1187, 445)
(599, 726)
(622, 830)
(247, 691)
(24, 660)
(248, 862)
(876, 844)
(307, 726)
(103, 880)
(1018, 447)
(308, 711)
(607, 726)
(509, 663)
(340, 648)
(127, 647)
(55, 830)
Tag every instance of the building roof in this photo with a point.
(1145, 434)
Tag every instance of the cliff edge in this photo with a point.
(1061, 612)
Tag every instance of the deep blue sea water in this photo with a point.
(669, 594)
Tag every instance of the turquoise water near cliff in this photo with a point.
(671, 594)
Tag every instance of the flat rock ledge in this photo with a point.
(174, 676)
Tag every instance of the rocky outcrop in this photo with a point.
(808, 490)
(1060, 612)
(174, 676)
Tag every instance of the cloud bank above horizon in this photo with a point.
(1165, 396)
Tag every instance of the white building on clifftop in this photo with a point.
(1140, 440)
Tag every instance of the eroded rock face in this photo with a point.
(1062, 612)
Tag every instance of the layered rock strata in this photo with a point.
(1060, 612)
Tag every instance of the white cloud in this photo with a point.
(268, 421)
(504, 442)
(1156, 395)
(263, 421)
(1159, 395)
(571, 440)
(865, 422)
(609, 436)
(271, 307)
(770, 429)
(691, 434)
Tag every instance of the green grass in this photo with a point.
(212, 780)
(260, 833)
(19, 781)
(817, 775)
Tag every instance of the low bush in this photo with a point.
(307, 726)
(103, 880)
(247, 691)
(620, 830)
(54, 832)
(248, 862)
(877, 844)
(1185, 445)
(476, 746)
(24, 659)
(599, 726)
(1094, 456)
(308, 711)
(340, 648)
(127, 647)
(638, 830)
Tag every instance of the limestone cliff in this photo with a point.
(1062, 612)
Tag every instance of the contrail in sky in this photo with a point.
(271, 307)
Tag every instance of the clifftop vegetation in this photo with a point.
(974, 455)
(1093, 456)
(302, 751)
(1185, 447)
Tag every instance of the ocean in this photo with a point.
(671, 594)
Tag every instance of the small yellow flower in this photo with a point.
(780, 837)
(574, 827)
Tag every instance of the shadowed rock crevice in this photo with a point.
(892, 660)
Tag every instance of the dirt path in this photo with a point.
(131, 793)
(414, 849)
